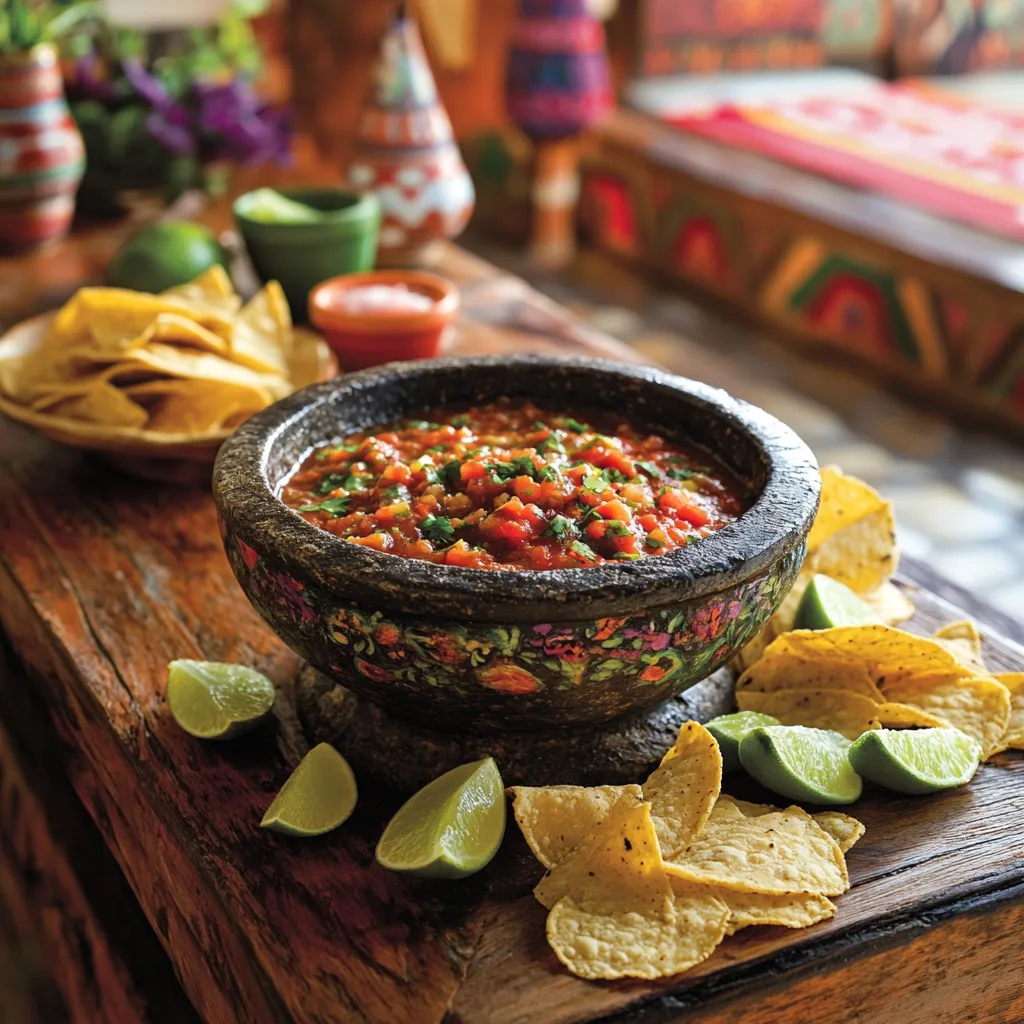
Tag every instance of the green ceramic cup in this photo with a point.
(300, 256)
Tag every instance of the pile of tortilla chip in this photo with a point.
(855, 678)
(645, 882)
(190, 361)
(853, 540)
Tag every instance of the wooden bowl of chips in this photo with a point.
(155, 384)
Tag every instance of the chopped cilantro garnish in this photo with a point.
(438, 530)
(422, 425)
(459, 422)
(552, 443)
(434, 448)
(547, 473)
(539, 425)
(432, 476)
(348, 449)
(561, 527)
(357, 483)
(653, 542)
(452, 473)
(615, 476)
(678, 473)
(504, 471)
(616, 529)
(574, 425)
(649, 468)
(590, 513)
(335, 506)
(593, 443)
(331, 482)
(394, 493)
(578, 548)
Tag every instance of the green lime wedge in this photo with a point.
(730, 729)
(451, 828)
(318, 796)
(270, 207)
(916, 761)
(215, 700)
(802, 764)
(827, 602)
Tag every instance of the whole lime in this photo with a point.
(164, 255)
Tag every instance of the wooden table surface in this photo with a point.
(119, 834)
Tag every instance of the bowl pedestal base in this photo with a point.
(406, 756)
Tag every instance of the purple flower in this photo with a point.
(148, 86)
(170, 132)
(87, 82)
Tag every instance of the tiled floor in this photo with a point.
(959, 495)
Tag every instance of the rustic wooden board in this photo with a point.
(104, 579)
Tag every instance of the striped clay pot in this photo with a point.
(41, 152)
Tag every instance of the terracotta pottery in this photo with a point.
(500, 649)
(41, 152)
(406, 153)
(557, 80)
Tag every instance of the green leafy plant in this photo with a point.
(24, 24)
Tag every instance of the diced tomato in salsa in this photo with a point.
(507, 486)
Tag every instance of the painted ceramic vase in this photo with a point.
(406, 154)
(557, 82)
(42, 157)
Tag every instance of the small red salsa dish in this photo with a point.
(364, 331)
(512, 486)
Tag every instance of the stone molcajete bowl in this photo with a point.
(504, 650)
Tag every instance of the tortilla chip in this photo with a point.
(976, 705)
(963, 641)
(188, 406)
(844, 829)
(621, 855)
(892, 715)
(212, 287)
(556, 819)
(853, 538)
(782, 852)
(101, 403)
(684, 788)
(889, 604)
(840, 710)
(1014, 683)
(601, 940)
(262, 334)
(731, 805)
(794, 673)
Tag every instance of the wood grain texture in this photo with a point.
(103, 580)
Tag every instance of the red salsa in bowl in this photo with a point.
(514, 486)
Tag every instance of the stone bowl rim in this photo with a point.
(774, 525)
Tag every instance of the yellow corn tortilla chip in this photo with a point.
(963, 641)
(843, 828)
(601, 940)
(889, 604)
(841, 710)
(853, 537)
(262, 335)
(102, 403)
(892, 715)
(782, 852)
(1014, 683)
(212, 287)
(196, 406)
(684, 788)
(976, 705)
(622, 852)
(112, 317)
(555, 820)
(794, 673)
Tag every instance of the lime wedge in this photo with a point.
(270, 207)
(215, 700)
(318, 796)
(730, 729)
(916, 760)
(801, 763)
(827, 602)
(451, 828)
